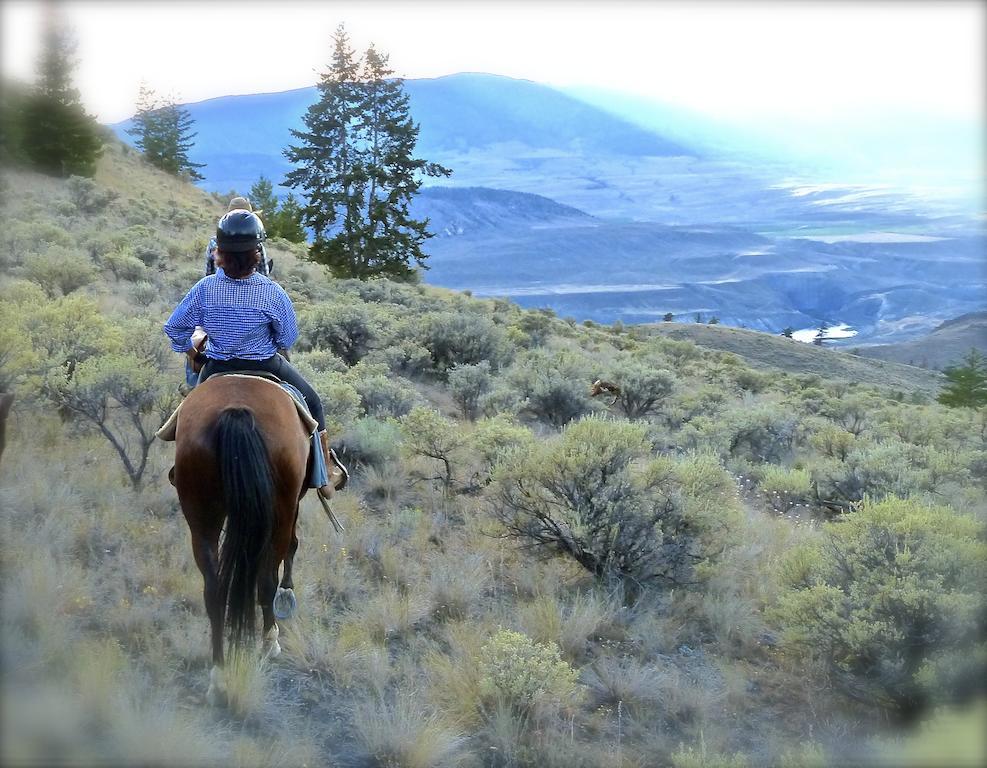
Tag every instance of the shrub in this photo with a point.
(347, 330)
(150, 251)
(891, 600)
(764, 433)
(753, 381)
(493, 439)
(643, 388)
(124, 266)
(876, 471)
(59, 271)
(557, 400)
(851, 411)
(832, 441)
(783, 488)
(526, 674)
(467, 383)
(385, 395)
(371, 442)
(428, 433)
(145, 293)
(87, 195)
(589, 495)
(455, 338)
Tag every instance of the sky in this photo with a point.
(741, 61)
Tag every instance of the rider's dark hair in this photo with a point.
(239, 264)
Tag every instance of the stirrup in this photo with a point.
(339, 476)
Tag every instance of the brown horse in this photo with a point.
(240, 457)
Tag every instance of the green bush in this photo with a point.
(763, 433)
(467, 384)
(87, 196)
(783, 488)
(592, 494)
(526, 674)
(643, 388)
(60, 271)
(384, 396)
(891, 600)
(124, 266)
(429, 434)
(373, 443)
(875, 470)
(347, 330)
(454, 338)
(557, 400)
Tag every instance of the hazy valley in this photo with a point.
(660, 225)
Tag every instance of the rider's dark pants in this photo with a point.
(280, 368)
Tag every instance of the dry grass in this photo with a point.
(106, 646)
(404, 734)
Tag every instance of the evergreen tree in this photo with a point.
(326, 167)
(821, 336)
(967, 383)
(355, 165)
(787, 333)
(391, 240)
(284, 220)
(162, 131)
(669, 317)
(263, 200)
(289, 220)
(59, 138)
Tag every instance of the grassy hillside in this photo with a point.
(944, 346)
(730, 563)
(764, 350)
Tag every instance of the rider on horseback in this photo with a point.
(264, 267)
(248, 319)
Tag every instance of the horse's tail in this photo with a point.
(248, 495)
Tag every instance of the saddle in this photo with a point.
(167, 430)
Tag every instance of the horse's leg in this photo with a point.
(205, 549)
(284, 601)
(267, 584)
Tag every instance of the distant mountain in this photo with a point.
(459, 211)
(241, 137)
(617, 210)
(944, 346)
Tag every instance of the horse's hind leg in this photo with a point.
(205, 549)
(284, 601)
(266, 587)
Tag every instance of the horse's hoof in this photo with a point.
(216, 695)
(285, 604)
(272, 648)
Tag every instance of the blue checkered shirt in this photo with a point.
(248, 319)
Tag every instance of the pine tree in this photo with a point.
(263, 200)
(391, 240)
(355, 166)
(59, 137)
(162, 131)
(147, 128)
(326, 162)
(289, 220)
(967, 385)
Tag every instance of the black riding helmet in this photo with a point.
(239, 231)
